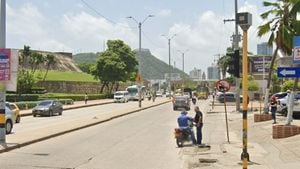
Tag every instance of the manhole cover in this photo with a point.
(209, 161)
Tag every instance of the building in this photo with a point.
(213, 73)
(203, 76)
(196, 74)
(264, 49)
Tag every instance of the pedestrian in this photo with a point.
(273, 108)
(198, 119)
(86, 97)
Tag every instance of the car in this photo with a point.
(15, 109)
(9, 119)
(159, 94)
(121, 96)
(279, 95)
(47, 108)
(168, 94)
(181, 102)
(229, 97)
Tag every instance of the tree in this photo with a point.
(86, 67)
(280, 19)
(35, 60)
(117, 63)
(50, 60)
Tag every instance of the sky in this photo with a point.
(84, 25)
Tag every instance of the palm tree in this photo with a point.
(223, 65)
(279, 21)
(50, 60)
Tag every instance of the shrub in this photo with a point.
(38, 90)
(74, 97)
(32, 104)
(23, 97)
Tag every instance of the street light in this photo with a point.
(169, 38)
(140, 50)
(182, 53)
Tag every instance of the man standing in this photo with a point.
(86, 98)
(183, 123)
(199, 124)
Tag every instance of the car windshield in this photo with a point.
(119, 94)
(45, 103)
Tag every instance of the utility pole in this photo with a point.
(245, 21)
(236, 40)
(140, 56)
(169, 38)
(2, 84)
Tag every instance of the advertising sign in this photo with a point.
(296, 52)
(260, 63)
(5, 55)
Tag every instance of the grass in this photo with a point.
(66, 76)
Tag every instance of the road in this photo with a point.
(142, 140)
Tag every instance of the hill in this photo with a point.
(152, 67)
(85, 57)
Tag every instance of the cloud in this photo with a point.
(88, 32)
(28, 26)
(164, 13)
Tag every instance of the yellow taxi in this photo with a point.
(16, 112)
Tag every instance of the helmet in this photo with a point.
(288, 91)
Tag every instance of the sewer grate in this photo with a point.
(209, 161)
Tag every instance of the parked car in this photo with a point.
(121, 96)
(181, 102)
(9, 119)
(229, 96)
(168, 94)
(279, 95)
(15, 109)
(159, 94)
(47, 108)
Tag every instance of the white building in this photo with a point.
(196, 74)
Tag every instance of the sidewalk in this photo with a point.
(265, 152)
(77, 104)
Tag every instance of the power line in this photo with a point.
(98, 13)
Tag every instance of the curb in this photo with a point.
(77, 128)
(75, 107)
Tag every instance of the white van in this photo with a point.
(121, 96)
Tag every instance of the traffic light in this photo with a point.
(234, 63)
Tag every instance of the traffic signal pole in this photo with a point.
(245, 21)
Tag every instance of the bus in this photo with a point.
(133, 92)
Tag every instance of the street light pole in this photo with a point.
(182, 54)
(169, 38)
(140, 56)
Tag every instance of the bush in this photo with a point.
(23, 97)
(32, 104)
(74, 97)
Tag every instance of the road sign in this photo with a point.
(296, 50)
(288, 72)
(139, 78)
(223, 85)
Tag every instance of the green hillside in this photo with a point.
(152, 67)
(85, 57)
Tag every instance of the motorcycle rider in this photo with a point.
(183, 123)
(194, 99)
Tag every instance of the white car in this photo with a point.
(121, 96)
(159, 94)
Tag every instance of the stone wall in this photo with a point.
(74, 87)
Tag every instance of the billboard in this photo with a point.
(261, 64)
(9, 68)
(296, 50)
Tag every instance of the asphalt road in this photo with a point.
(139, 141)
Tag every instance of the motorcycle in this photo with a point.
(182, 135)
(194, 101)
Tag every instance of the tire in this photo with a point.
(284, 112)
(60, 113)
(18, 119)
(8, 126)
(179, 142)
(174, 108)
(50, 113)
(34, 115)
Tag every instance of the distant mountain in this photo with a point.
(152, 67)
(85, 57)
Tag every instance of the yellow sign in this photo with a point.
(139, 79)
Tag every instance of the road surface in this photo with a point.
(139, 141)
